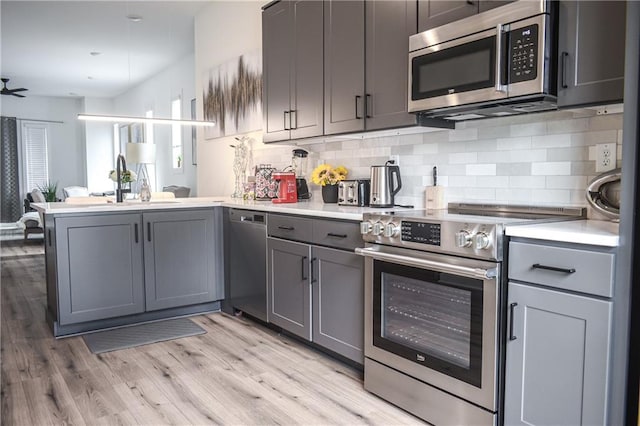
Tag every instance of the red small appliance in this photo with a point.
(287, 192)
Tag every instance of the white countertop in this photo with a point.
(594, 232)
(306, 208)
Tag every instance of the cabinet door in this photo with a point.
(591, 48)
(343, 66)
(99, 262)
(180, 258)
(307, 85)
(338, 301)
(433, 13)
(289, 295)
(388, 27)
(557, 366)
(276, 66)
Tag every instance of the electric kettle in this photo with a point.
(383, 186)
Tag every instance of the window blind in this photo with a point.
(35, 158)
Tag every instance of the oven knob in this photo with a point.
(481, 241)
(463, 238)
(391, 230)
(378, 227)
(365, 227)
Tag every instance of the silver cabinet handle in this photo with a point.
(512, 308)
(287, 117)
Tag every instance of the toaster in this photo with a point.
(354, 192)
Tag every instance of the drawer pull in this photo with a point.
(512, 308)
(331, 234)
(553, 268)
(286, 228)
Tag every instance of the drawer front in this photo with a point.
(570, 269)
(337, 234)
(289, 227)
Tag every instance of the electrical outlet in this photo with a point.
(605, 157)
(395, 158)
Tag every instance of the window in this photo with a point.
(176, 134)
(35, 162)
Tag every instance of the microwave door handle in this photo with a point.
(499, 86)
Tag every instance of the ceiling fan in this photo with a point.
(6, 91)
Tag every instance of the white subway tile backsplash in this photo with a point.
(481, 169)
(514, 143)
(463, 158)
(527, 182)
(463, 135)
(528, 129)
(566, 182)
(560, 168)
(544, 158)
(551, 141)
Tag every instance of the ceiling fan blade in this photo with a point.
(22, 89)
(17, 95)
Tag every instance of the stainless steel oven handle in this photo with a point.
(479, 273)
(499, 86)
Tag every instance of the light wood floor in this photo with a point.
(236, 373)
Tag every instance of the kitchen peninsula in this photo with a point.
(113, 264)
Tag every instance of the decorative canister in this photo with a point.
(266, 186)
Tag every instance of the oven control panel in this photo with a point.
(523, 54)
(421, 232)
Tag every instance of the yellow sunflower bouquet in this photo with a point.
(325, 174)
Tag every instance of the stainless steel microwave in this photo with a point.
(496, 63)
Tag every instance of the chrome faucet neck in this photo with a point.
(120, 161)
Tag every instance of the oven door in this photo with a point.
(434, 317)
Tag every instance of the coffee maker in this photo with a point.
(299, 166)
(286, 187)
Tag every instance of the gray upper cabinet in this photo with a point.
(292, 70)
(344, 66)
(591, 48)
(433, 13)
(338, 301)
(389, 24)
(289, 293)
(99, 267)
(181, 257)
(557, 364)
(366, 65)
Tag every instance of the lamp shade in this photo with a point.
(141, 153)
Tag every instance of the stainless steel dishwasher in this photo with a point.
(248, 262)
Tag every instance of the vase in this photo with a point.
(330, 193)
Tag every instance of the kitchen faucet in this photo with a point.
(119, 172)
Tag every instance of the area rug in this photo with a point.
(143, 334)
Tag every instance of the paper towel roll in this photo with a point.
(434, 198)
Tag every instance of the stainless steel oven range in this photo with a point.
(435, 308)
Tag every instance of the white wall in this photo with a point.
(156, 94)
(66, 140)
(99, 152)
(223, 31)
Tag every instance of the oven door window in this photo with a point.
(462, 68)
(431, 318)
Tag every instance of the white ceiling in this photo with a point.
(46, 45)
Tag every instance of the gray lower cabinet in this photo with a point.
(317, 292)
(338, 301)
(559, 333)
(180, 258)
(289, 291)
(99, 267)
(557, 363)
(591, 46)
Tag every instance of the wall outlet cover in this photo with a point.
(395, 158)
(605, 157)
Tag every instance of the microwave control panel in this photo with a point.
(523, 58)
(421, 232)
